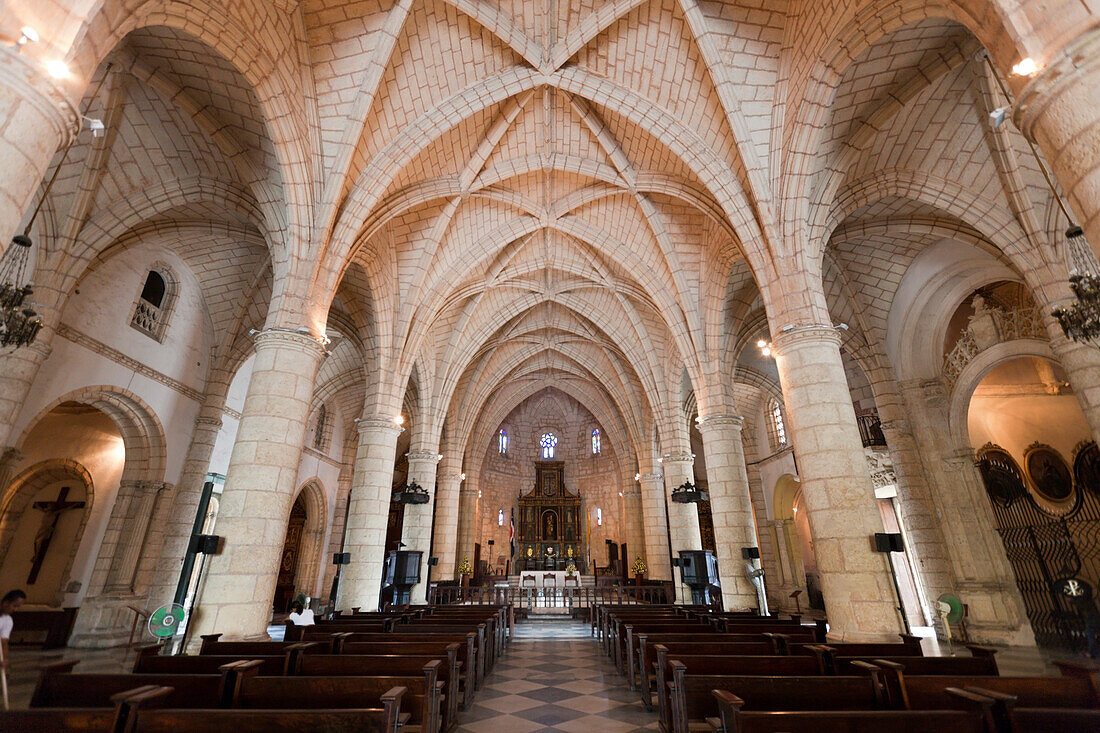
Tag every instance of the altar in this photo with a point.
(549, 523)
(547, 579)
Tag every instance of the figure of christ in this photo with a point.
(51, 513)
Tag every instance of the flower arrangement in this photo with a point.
(464, 568)
(570, 568)
(639, 567)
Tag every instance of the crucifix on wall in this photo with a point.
(51, 512)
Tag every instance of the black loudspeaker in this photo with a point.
(750, 553)
(888, 542)
(341, 558)
(698, 568)
(207, 544)
(433, 561)
(492, 542)
(675, 562)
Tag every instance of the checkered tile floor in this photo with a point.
(555, 678)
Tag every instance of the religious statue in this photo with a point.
(551, 528)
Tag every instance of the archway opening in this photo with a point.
(292, 550)
(71, 449)
(1038, 464)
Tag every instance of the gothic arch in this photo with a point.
(308, 573)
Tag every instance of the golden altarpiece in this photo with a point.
(550, 522)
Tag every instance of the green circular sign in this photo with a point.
(164, 621)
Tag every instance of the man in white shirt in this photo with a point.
(298, 617)
(8, 605)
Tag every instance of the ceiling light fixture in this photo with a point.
(1026, 67)
(57, 69)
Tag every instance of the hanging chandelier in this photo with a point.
(1081, 320)
(19, 324)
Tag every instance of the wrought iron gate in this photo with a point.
(1052, 540)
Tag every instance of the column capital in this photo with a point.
(422, 455)
(651, 477)
(27, 77)
(10, 455)
(214, 423)
(795, 336)
(678, 458)
(450, 476)
(379, 425)
(277, 338)
(631, 491)
(1059, 76)
(720, 422)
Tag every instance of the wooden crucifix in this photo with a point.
(51, 512)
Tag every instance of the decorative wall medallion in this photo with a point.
(1048, 473)
(1002, 477)
(1086, 467)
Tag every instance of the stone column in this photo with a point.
(683, 519)
(371, 489)
(36, 119)
(1059, 109)
(467, 524)
(135, 506)
(1082, 365)
(656, 527)
(633, 523)
(445, 536)
(731, 507)
(9, 459)
(843, 515)
(179, 521)
(416, 531)
(983, 578)
(259, 488)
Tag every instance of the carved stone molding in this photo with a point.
(112, 354)
(718, 422)
(801, 335)
(1057, 78)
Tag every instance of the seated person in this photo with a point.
(300, 617)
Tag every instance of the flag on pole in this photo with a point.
(512, 534)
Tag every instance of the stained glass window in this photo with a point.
(595, 441)
(548, 442)
(502, 441)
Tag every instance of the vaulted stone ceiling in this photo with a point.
(484, 199)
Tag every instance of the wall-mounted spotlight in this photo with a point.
(439, 456)
(96, 126)
(57, 69)
(399, 419)
(26, 35)
(1026, 67)
(998, 116)
(765, 347)
(637, 477)
(462, 476)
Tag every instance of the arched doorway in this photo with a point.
(43, 520)
(1041, 472)
(292, 548)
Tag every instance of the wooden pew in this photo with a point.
(204, 664)
(348, 720)
(639, 662)
(58, 687)
(910, 692)
(459, 655)
(380, 644)
(334, 665)
(212, 644)
(59, 720)
(732, 719)
(647, 656)
(980, 666)
(308, 633)
(692, 700)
